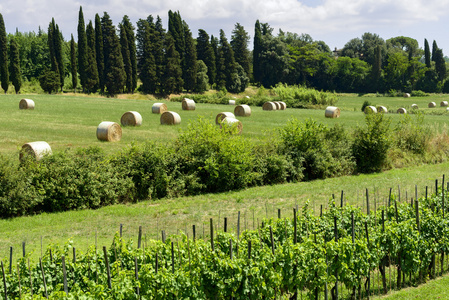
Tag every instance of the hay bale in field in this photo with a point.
(282, 105)
(401, 110)
(415, 106)
(109, 132)
(382, 109)
(26, 104)
(219, 118)
(230, 122)
(242, 110)
(432, 104)
(170, 118)
(231, 102)
(370, 109)
(131, 118)
(188, 104)
(407, 95)
(159, 108)
(278, 105)
(332, 112)
(269, 106)
(37, 150)
(444, 104)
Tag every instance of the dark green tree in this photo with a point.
(239, 44)
(157, 40)
(376, 71)
(60, 55)
(202, 79)
(175, 28)
(434, 49)
(427, 59)
(206, 54)
(4, 76)
(73, 63)
(130, 36)
(49, 81)
(54, 45)
(82, 49)
(190, 66)
(92, 80)
(172, 79)
(126, 59)
(145, 60)
(257, 52)
(113, 61)
(99, 53)
(15, 73)
(440, 64)
(227, 74)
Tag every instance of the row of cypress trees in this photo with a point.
(9, 68)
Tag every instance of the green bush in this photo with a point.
(419, 93)
(365, 104)
(371, 143)
(299, 96)
(411, 134)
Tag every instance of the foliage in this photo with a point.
(371, 144)
(299, 96)
(15, 72)
(412, 135)
(50, 81)
(4, 70)
(365, 104)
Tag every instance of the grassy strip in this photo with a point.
(434, 289)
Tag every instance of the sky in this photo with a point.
(333, 21)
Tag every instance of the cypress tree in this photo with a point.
(52, 36)
(82, 48)
(440, 64)
(257, 74)
(239, 44)
(126, 58)
(190, 64)
(73, 64)
(4, 74)
(377, 68)
(172, 79)
(145, 60)
(130, 36)
(92, 80)
(99, 54)
(427, 53)
(59, 55)
(434, 49)
(14, 67)
(227, 63)
(206, 54)
(114, 72)
(157, 40)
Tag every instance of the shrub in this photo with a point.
(299, 96)
(411, 134)
(371, 143)
(365, 104)
(419, 93)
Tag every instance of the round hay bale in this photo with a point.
(37, 150)
(407, 95)
(269, 106)
(170, 118)
(159, 108)
(332, 112)
(188, 104)
(109, 132)
(370, 109)
(242, 110)
(231, 102)
(444, 104)
(219, 118)
(131, 118)
(382, 109)
(278, 105)
(229, 121)
(432, 104)
(26, 104)
(415, 106)
(282, 105)
(401, 110)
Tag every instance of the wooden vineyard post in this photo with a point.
(225, 227)
(367, 203)
(23, 249)
(108, 269)
(136, 269)
(279, 213)
(212, 235)
(139, 238)
(4, 282)
(43, 277)
(238, 226)
(10, 259)
(272, 240)
(295, 240)
(341, 199)
(383, 260)
(389, 198)
(194, 232)
(172, 258)
(368, 280)
(442, 197)
(336, 260)
(64, 273)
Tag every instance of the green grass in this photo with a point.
(434, 289)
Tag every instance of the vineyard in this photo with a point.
(340, 253)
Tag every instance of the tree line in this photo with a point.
(153, 60)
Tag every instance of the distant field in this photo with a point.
(71, 121)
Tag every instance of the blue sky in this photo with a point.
(333, 21)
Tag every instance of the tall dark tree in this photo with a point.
(130, 36)
(126, 59)
(434, 49)
(145, 60)
(158, 40)
(440, 64)
(239, 44)
(376, 70)
(92, 80)
(73, 63)
(82, 48)
(4, 74)
(226, 66)
(55, 47)
(15, 73)
(190, 57)
(206, 54)
(427, 54)
(113, 61)
(99, 54)
(256, 52)
(175, 28)
(172, 80)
